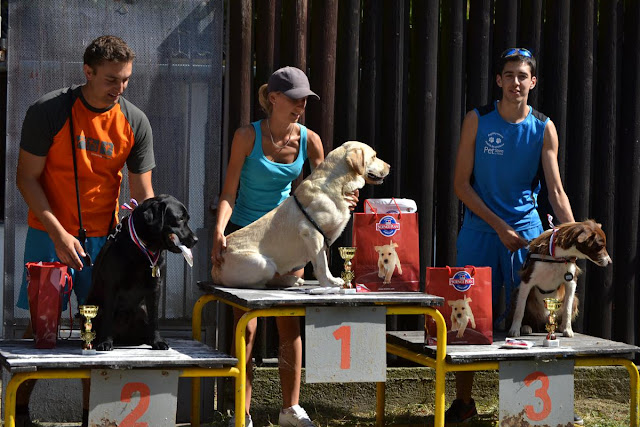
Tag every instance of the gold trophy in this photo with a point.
(552, 305)
(347, 253)
(87, 334)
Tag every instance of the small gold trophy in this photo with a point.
(347, 253)
(552, 305)
(87, 334)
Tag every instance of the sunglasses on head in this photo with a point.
(516, 51)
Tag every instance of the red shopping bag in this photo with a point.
(46, 286)
(387, 251)
(467, 306)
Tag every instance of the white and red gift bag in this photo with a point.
(387, 250)
(467, 306)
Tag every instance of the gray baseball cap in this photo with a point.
(291, 81)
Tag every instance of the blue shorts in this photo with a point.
(39, 247)
(484, 249)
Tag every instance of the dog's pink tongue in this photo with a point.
(186, 252)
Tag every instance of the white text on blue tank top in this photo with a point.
(494, 143)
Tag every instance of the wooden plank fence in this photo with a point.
(400, 75)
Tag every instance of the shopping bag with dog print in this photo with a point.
(467, 305)
(387, 252)
(45, 287)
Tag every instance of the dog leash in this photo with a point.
(315, 224)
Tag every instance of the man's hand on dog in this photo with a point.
(352, 199)
(69, 250)
(511, 239)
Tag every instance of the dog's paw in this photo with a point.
(514, 332)
(526, 330)
(332, 281)
(160, 345)
(568, 333)
(106, 345)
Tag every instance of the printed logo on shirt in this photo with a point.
(461, 281)
(95, 146)
(494, 144)
(388, 226)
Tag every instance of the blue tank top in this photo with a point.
(507, 168)
(265, 184)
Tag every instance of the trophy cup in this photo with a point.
(87, 334)
(347, 253)
(552, 305)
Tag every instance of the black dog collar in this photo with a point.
(315, 224)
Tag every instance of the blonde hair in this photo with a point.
(263, 99)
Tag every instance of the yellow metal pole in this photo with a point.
(196, 333)
(441, 365)
(19, 378)
(634, 382)
(241, 352)
(380, 399)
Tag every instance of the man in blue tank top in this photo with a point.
(503, 148)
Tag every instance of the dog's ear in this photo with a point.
(451, 303)
(154, 216)
(468, 299)
(395, 245)
(377, 248)
(584, 235)
(355, 159)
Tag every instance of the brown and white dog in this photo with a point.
(550, 271)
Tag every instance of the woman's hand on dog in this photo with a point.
(67, 250)
(219, 245)
(352, 199)
(511, 239)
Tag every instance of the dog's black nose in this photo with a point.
(386, 261)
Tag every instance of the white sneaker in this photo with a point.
(294, 417)
(247, 421)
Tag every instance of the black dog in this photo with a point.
(126, 276)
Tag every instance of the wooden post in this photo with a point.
(448, 207)
(600, 286)
(423, 111)
(480, 73)
(577, 180)
(266, 32)
(625, 268)
(239, 65)
(370, 79)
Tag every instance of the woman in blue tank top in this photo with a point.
(501, 147)
(266, 156)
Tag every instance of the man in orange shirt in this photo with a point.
(108, 132)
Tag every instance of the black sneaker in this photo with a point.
(577, 420)
(459, 412)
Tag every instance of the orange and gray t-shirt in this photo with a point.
(104, 141)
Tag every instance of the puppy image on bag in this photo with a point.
(461, 314)
(467, 304)
(388, 261)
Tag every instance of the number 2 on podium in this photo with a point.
(343, 334)
(128, 390)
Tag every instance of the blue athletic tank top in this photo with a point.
(265, 184)
(507, 168)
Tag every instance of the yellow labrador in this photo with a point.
(286, 238)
